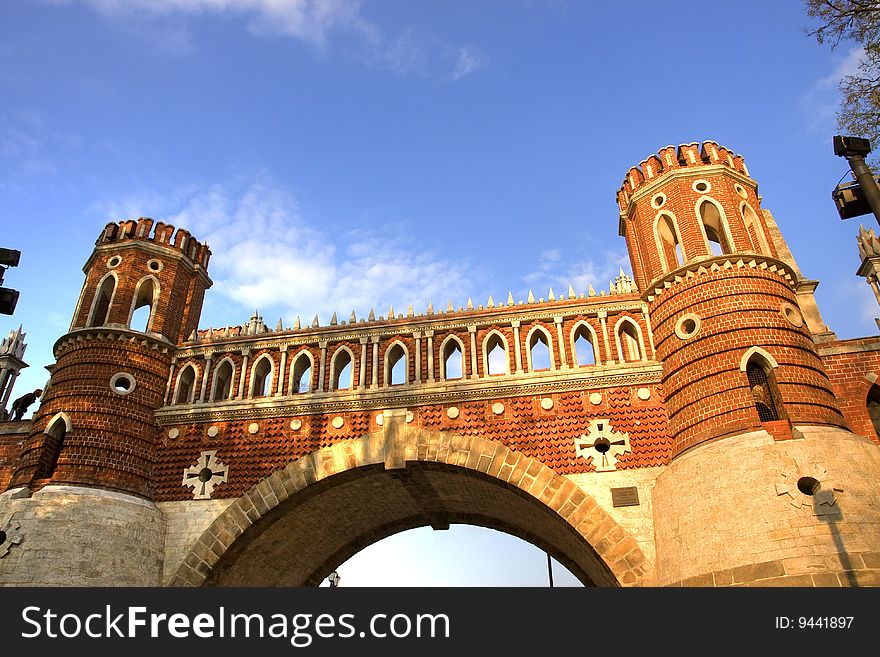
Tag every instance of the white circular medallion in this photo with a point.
(498, 408)
(596, 398)
(213, 431)
(409, 417)
(547, 403)
(452, 412)
(253, 427)
(296, 425)
(380, 419)
(173, 433)
(337, 422)
(643, 394)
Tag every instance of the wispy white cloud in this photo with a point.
(268, 255)
(314, 22)
(559, 270)
(820, 103)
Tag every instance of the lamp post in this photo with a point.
(864, 196)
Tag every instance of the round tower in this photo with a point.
(747, 395)
(94, 437)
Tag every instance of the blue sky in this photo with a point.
(346, 156)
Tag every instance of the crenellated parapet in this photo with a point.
(670, 158)
(159, 233)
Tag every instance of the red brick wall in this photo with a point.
(849, 379)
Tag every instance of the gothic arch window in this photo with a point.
(301, 373)
(539, 353)
(221, 390)
(668, 242)
(630, 346)
(762, 385)
(874, 407)
(714, 224)
(584, 345)
(143, 305)
(53, 440)
(754, 229)
(261, 376)
(342, 370)
(396, 364)
(495, 354)
(185, 390)
(451, 358)
(103, 300)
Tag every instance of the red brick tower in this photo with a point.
(737, 352)
(142, 296)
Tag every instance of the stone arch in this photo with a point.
(719, 224)
(768, 358)
(531, 341)
(584, 326)
(620, 327)
(444, 356)
(755, 228)
(223, 387)
(578, 532)
(389, 362)
(667, 239)
(58, 428)
(186, 386)
(336, 371)
(105, 293)
(297, 371)
(492, 337)
(264, 380)
(146, 293)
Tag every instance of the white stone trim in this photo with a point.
(454, 338)
(744, 362)
(227, 359)
(387, 366)
(486, 339)
(529, 345)
(618, 327)
(68, 424)
(594, 340)
(270, 377)
(293, 362)
(333, 360)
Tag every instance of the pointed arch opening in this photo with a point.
(396, 365)
(629, 341)
(301, 374)
(452, 358)
(873, 403)
(261, 376)
(539, 350)
(221, 390)
(754, 229)
(718, 238)
(763, 387)
(103, 300)
(185, 390)
(584, 345)
(495, 354)
(141, 316)
(342, 370)
(53, 440)
(668, 242)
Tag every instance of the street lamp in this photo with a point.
(8, 296)
(334, 579)
(862, 196)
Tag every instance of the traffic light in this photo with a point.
(8, 296)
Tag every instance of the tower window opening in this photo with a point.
(669, 243)
(342, 371)
(223, 382)
(53, 441)
(761, 385)
(142, 310)
(584, 350)
(101, 307)
(496, 356)
(261, 378)
(713, 225)
(185, 386)
(874, 407)
(302, 375)
(453, 360)
(396, 365)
